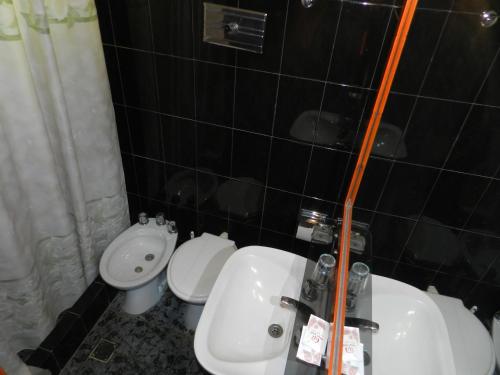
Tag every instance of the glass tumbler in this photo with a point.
(323, 271)
(358, 276)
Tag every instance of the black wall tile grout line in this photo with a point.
(303, 78)
(387, 214)
(368, 3)
(332, 49)
(268, 167)
(465, 225)
(316, 146)
(233, 115)
(157, 92)
(353, 156)
(389, 172)
(213, 215)
(255, 226)
(459, 133)
(435, 49)
(122, 89)
(449, 154)
(196, 135)
(372, 81)
(232, 123)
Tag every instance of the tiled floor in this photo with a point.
(156, 342)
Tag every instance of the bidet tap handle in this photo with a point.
(172, 227)
(143, 218)
(160, 218)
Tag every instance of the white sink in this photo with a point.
(232, 335)
(413, 338)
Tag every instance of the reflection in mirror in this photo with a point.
(336, 130)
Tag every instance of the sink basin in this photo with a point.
(413, 338)
(232, 336)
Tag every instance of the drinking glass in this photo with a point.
(323, 271)
(358, 276)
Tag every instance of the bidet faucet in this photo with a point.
(160, 218)
(171, 227)
(143, 218)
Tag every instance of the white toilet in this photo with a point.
(474, 350)
(193, 269)
(135, 262)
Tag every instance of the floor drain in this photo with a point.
(149, 257)
(138, 269)
(103, 351)
(275, 330)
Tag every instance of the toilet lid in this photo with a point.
(195, 265)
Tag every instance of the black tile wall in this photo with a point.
(225, 140)
(359, 44)
(255, 113)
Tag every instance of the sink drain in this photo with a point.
(149, 257)
(138, 269)
(275, 330)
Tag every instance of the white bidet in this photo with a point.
(135, 262)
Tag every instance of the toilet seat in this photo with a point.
(195, 265)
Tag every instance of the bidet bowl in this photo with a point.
(134, 262)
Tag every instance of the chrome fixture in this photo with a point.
(308, 3)
(275, 330)
(234, 27)
(318, 227)
(143, 218)
(299, 306)
(171, 227)
(310, 291)
(362, 324)
(160, 218)
(360, 233)
(231, 27)
(488, 18)
(322, 234)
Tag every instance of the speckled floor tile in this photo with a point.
(156, 342)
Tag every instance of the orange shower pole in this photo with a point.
(335, 355)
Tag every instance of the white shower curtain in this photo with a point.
(62, 194)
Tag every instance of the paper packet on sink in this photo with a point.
(313, 340)
(352, 354)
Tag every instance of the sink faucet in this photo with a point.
(299, 306)
(362, 324)
(308, 310)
